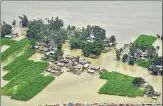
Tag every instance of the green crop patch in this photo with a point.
(28, 53)
(5, 41)
(33, 88)
(143, 63)
(16, 47)
(119, 84)
(145, 39)
(16, 70)
(25, 77)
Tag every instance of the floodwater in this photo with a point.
(4, 47)
(126, 20)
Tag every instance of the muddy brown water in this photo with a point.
(118, 19)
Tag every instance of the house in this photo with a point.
(49, 69)
(95, 67)
(82, 62)
(64, 61)
(86, 65)
(77, 68)
(69, 57)
(60, 64)
(74, 63)
(90, 71)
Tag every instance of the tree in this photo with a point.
(23, 20)
(131, 61)
(96, 51)
(151, 51)
(86, 51)
(138, 81)
(56, 24)
(125, 57)
(6, 29)
(158, 47)
(118, 54)
(99, 32)
(77, 58)
(14, 22)
(113, 39)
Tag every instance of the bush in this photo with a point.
(119, 84)
(131, 61)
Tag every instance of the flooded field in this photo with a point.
(118, 19)
(21, 32)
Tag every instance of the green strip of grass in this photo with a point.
(16, 70)
(25, 77)
(33, 88)
(16, 47)
(119, 84)
(28, 53)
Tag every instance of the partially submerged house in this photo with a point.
(82, 62)
(95, 68)
(86, 65)
(69, 57)
(60, 64)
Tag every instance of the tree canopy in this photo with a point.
(6, 29)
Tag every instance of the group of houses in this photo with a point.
(77, 66)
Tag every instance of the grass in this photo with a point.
(143, 63)
(25, 77)
(15, 48)
(119, 84)
(145, 39)
(17, 69)
(33, 88)
(28, 53)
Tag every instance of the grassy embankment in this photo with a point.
(119, 84)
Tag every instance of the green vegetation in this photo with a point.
(5, 29)
(144, 41)
(5, 41)
(143, 62)
(33, 88)
(28, 53)
(15, 48)
(23, 78)
(119, 84)
(17, 69)
(24, 20)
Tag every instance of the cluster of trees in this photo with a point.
(94, 48)
(79, 39)
(5, 29)
(138, 81)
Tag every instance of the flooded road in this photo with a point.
(126, 20)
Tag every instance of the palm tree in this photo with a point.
(24, 20)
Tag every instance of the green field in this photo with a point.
(143, 63)
(5, 41)
(119, 84)
(33, 88)
(18, 69)
(28, 53)
(15, 48)
(145, 40)
(24, 76)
